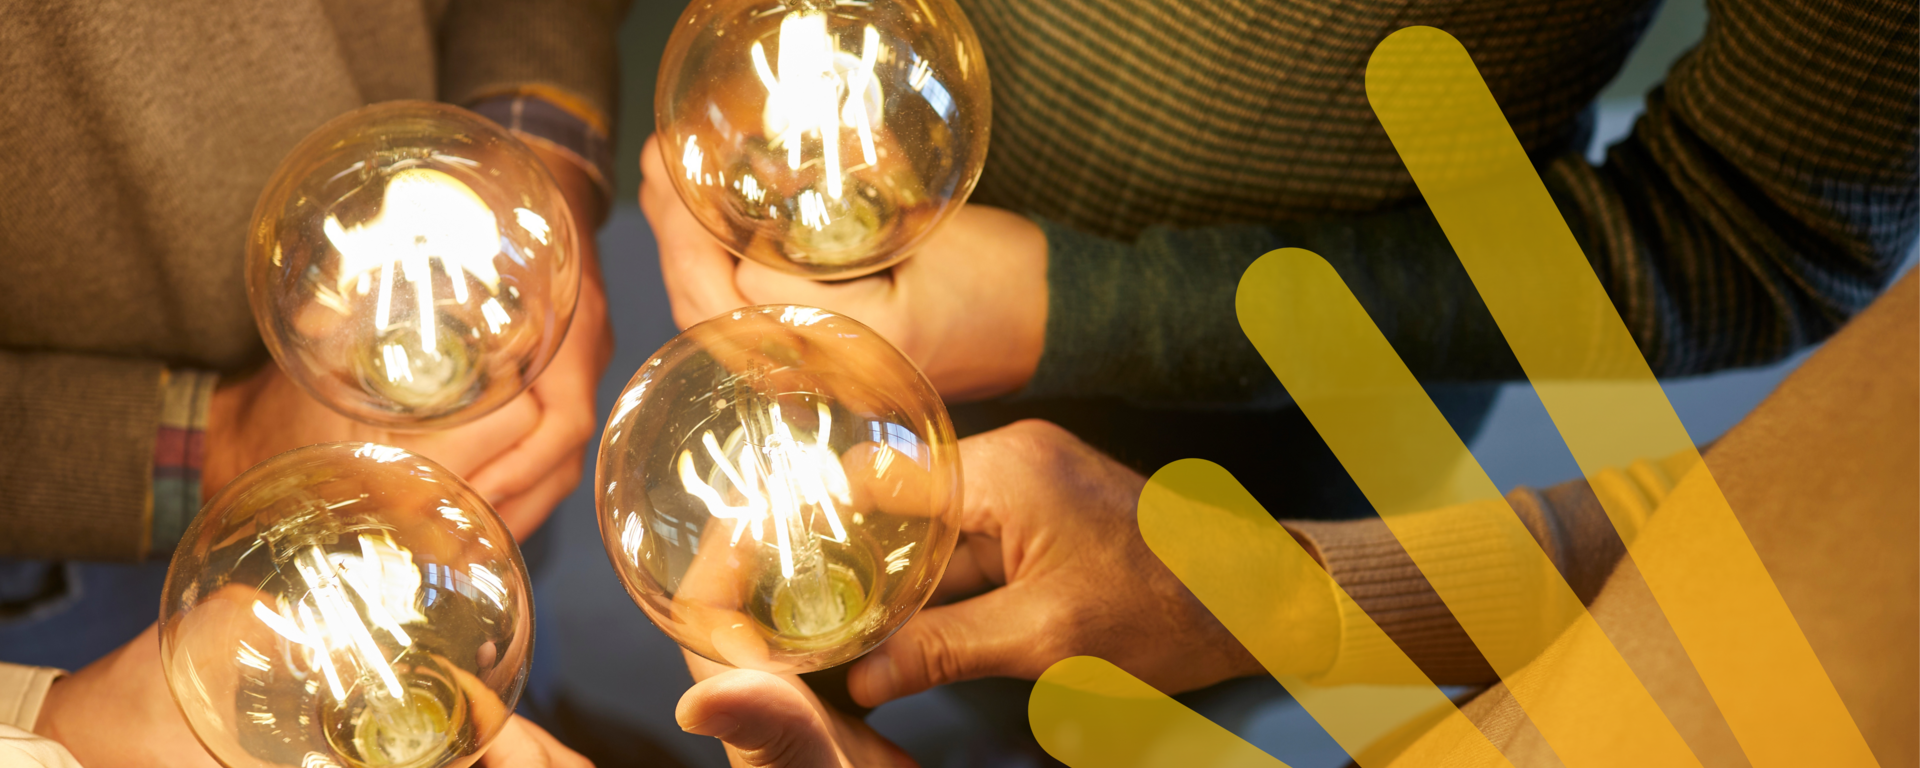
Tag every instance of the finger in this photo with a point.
(521, 743)
(974, 568)
(993, 635)
(762, 717)
(468, 448)
(526, 512)
(761, 284)
(1025, 465)
(566, 422)
(698, 272)
(869, 299)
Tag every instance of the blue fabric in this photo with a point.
(68, 614)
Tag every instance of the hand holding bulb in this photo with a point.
(1051, 564)
(412, 265)
(823, 139)
(351, 605)
(776, 489)
(525, 456)
(118, 713)
(969, 308)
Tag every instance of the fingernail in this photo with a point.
(876, 679)
(718, 726)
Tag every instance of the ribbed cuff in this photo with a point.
(1085, 288)
(22, 691)
(179, 453)
(1463, 548)
(1152, 321)
(572, 133)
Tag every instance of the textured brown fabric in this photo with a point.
(134, 139)
(489, 46)
(1367, 560)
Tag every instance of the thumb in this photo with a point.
(521, 744)
(993, 635)
(767, 722)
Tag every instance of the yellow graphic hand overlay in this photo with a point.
(1577, 353)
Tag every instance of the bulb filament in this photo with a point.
(806, 94)
(788, 485)
(426, 216)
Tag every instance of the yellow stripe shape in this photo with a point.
(1265, 589)
(1389, 437)
(1589, 373)
(1284, 607)
(1088, 713)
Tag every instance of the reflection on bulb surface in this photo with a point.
(777, 489)
(412, 265)
(825, 138)
(349, 605)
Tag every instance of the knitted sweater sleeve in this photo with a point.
(1474, 558)
(1766, 195)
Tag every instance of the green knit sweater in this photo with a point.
(1766, 195)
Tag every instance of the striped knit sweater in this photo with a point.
(1766, 195)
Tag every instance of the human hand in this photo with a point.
(266, 414)
(524, 458)
(1049, 527)
(523, 744)
(776, 721)
(528, 480)
(119, 712)
(969, 307)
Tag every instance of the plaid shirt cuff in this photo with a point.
(574, 135)
(179, 451)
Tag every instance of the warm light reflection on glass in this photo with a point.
(818, 90)
(793, 482)
(411, 265)
(823, 139)
(341, 605)
(778, 488)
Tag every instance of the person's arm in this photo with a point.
(1566, 521)
(82, 469)
(548, 73)
(1766, 195)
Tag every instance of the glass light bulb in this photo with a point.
(823, 138)
(778, 489)
(412, 265)
(348, 605)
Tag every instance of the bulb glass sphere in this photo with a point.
(412, 265)
(348, 605)
(778, 489)
(823, 138)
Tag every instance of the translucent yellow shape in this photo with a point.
(1589, 373)
(1265, 589)
(1390, 438)
(1087, 712)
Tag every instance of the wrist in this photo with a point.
(224, 455)
(996, 329)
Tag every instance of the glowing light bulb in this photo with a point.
(777, 489)
(825, 139)
(348, 605)
(412, 265)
